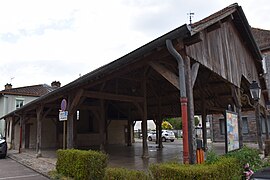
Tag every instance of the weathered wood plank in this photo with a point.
(166, 73)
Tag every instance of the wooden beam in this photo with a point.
(75, 101)
(194, 73)
(110, 96)
(166, 73)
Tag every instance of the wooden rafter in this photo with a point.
(110, 96)
(166, 73)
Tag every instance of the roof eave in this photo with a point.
(181, 32)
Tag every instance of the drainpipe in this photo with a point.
(183, 97)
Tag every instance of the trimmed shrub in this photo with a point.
(124, 174)
(247, 155)
(81, 164)
(211, 157)
(224, 168)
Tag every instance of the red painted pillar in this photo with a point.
(184, 102)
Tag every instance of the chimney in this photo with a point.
(8, 86)
(55, 84)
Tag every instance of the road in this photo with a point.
(10, 169)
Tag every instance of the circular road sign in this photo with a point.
(63, 104)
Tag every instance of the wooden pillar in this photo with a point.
(70, 125)
(236, 92)
(102, 126)
(144, 122)
(73, 103)
(39, 112)
(204, 130)
(240, 125)
(159, 123)
(258, 125)
(12, 132)
(266, 125)
(23, 131)
(191, 123)
(129, 128)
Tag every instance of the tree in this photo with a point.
(197, 121)
(175, 122)
(166, 125)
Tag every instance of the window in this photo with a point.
(263, 124)
(222, 126)
(19, 103)
(245, 129)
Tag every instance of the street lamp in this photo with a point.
(255, 91)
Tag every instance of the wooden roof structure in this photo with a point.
(222, 44)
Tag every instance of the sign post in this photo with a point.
(63, 115)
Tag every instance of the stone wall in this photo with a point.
(247, 137)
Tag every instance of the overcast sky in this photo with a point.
(44, 41)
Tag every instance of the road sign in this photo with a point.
(64, 105)
(63, 115)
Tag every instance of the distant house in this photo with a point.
(14, 98)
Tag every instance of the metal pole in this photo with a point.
(183, 98)
(64, 135)
(185, 129)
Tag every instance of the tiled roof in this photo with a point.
(35, 90)
(262, 38)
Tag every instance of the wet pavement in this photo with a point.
(119, 155)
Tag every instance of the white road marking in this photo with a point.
(14, 177)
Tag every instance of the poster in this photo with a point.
(232, 131)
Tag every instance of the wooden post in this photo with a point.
(258, 125)
(23, 131)
(266, 125)
(39, 112)
(129, 128)
(204, 118)
(159, 122)
(102, 126)
(144, 122)
(70, 125)
(20, 144)
(73, 103)
(191, 124)
(236, 92)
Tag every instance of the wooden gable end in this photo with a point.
(223, 51)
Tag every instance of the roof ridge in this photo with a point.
(216, 14)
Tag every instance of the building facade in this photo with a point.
(14, 98)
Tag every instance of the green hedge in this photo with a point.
(81, 164)
(124, 174)
(224, 168)
(247, 155)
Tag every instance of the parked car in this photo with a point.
(166, 135)
(3, 147)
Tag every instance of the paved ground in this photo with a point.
(10, 169)
(119, 155)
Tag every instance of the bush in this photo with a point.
(124, 174)
(211, 157)
(224, 168)
(247, 155)
(81, 164)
